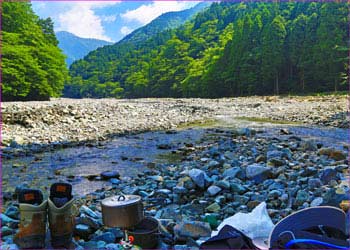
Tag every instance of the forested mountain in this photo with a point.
(33, 67)
(75, 47)
(169, 20)
(229, 49)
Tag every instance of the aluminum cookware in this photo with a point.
(123, 211)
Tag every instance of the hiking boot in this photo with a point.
(33, 214)
(61, 219)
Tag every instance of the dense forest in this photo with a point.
(33, 67)
(230, 49)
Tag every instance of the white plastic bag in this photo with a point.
(256, 224)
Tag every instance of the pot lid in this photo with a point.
(121, 200)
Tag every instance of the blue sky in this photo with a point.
(106, 20)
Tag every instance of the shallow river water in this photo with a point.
(130, 154)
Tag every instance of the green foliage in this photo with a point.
(33, 67)
(230, 49)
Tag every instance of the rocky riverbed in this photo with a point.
(193, 178)
(70, 121)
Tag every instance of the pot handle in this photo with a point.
(121, 198)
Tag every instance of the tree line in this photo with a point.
(33, 67)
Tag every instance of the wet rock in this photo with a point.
(234, 172)
(258, 173)
(84, 209)
(115, 181)
(106, 237)
(316, 202)
(83, 231)
(164, 146)
(238, 188)
(113, 246)
(87, 220)
(214, 207)
(199, 177)
(5, 231)
(192, 229)
(328, 174)
(213, 190)
(11, 223)
(12, 212)
(302, 196)
(106, 175)
(223, 184)
(314, 183)
(332, 153)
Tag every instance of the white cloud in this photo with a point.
(147, 12)
(125, 30)
(81, 20)
(109, 19)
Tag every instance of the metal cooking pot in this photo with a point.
(123, 211)
(146, 233)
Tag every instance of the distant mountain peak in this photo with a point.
(75, 47)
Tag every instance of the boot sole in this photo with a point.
(61, 241)
(33, 242)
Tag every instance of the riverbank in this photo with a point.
(74, 121)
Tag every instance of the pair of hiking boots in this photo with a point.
(34, 211)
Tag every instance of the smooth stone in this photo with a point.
(258, 173)
(332, 153)
(107, 237)
(87, 220)
(328, 174)
(180, 190)
(9, 247)
(302, 196)
(84, 209)
(101, 245)
(106, 175)
(83, 231)
(199, 177)
(212, 220)
(274, 194)
(113, 246)
(234, 172)
(214, 207)
(11, 223)
(316, 202)
(156, 178)
(192, 229)
(213, 190)
(223, 184)
(241, 199)
(164, 191)
(238, 188)
(114, 181)
(12, 212)
(314, 183)
(5, 231)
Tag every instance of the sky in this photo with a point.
(105, 20)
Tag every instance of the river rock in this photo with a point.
(258, 173)
(316, 202)
(314, 183)
(11, 223)
(106, 175)
(12, 212)
(214, 207)
(192, 229)
(83, 231)
(328, 174)
(84, 209)
(199, 177)
(238, 188)
(107, 237)
(302, 196)
(214, 190)
(332, 153)
(87, 220)
(234, 172)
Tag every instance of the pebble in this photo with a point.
(213, 190)
(192, 229)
